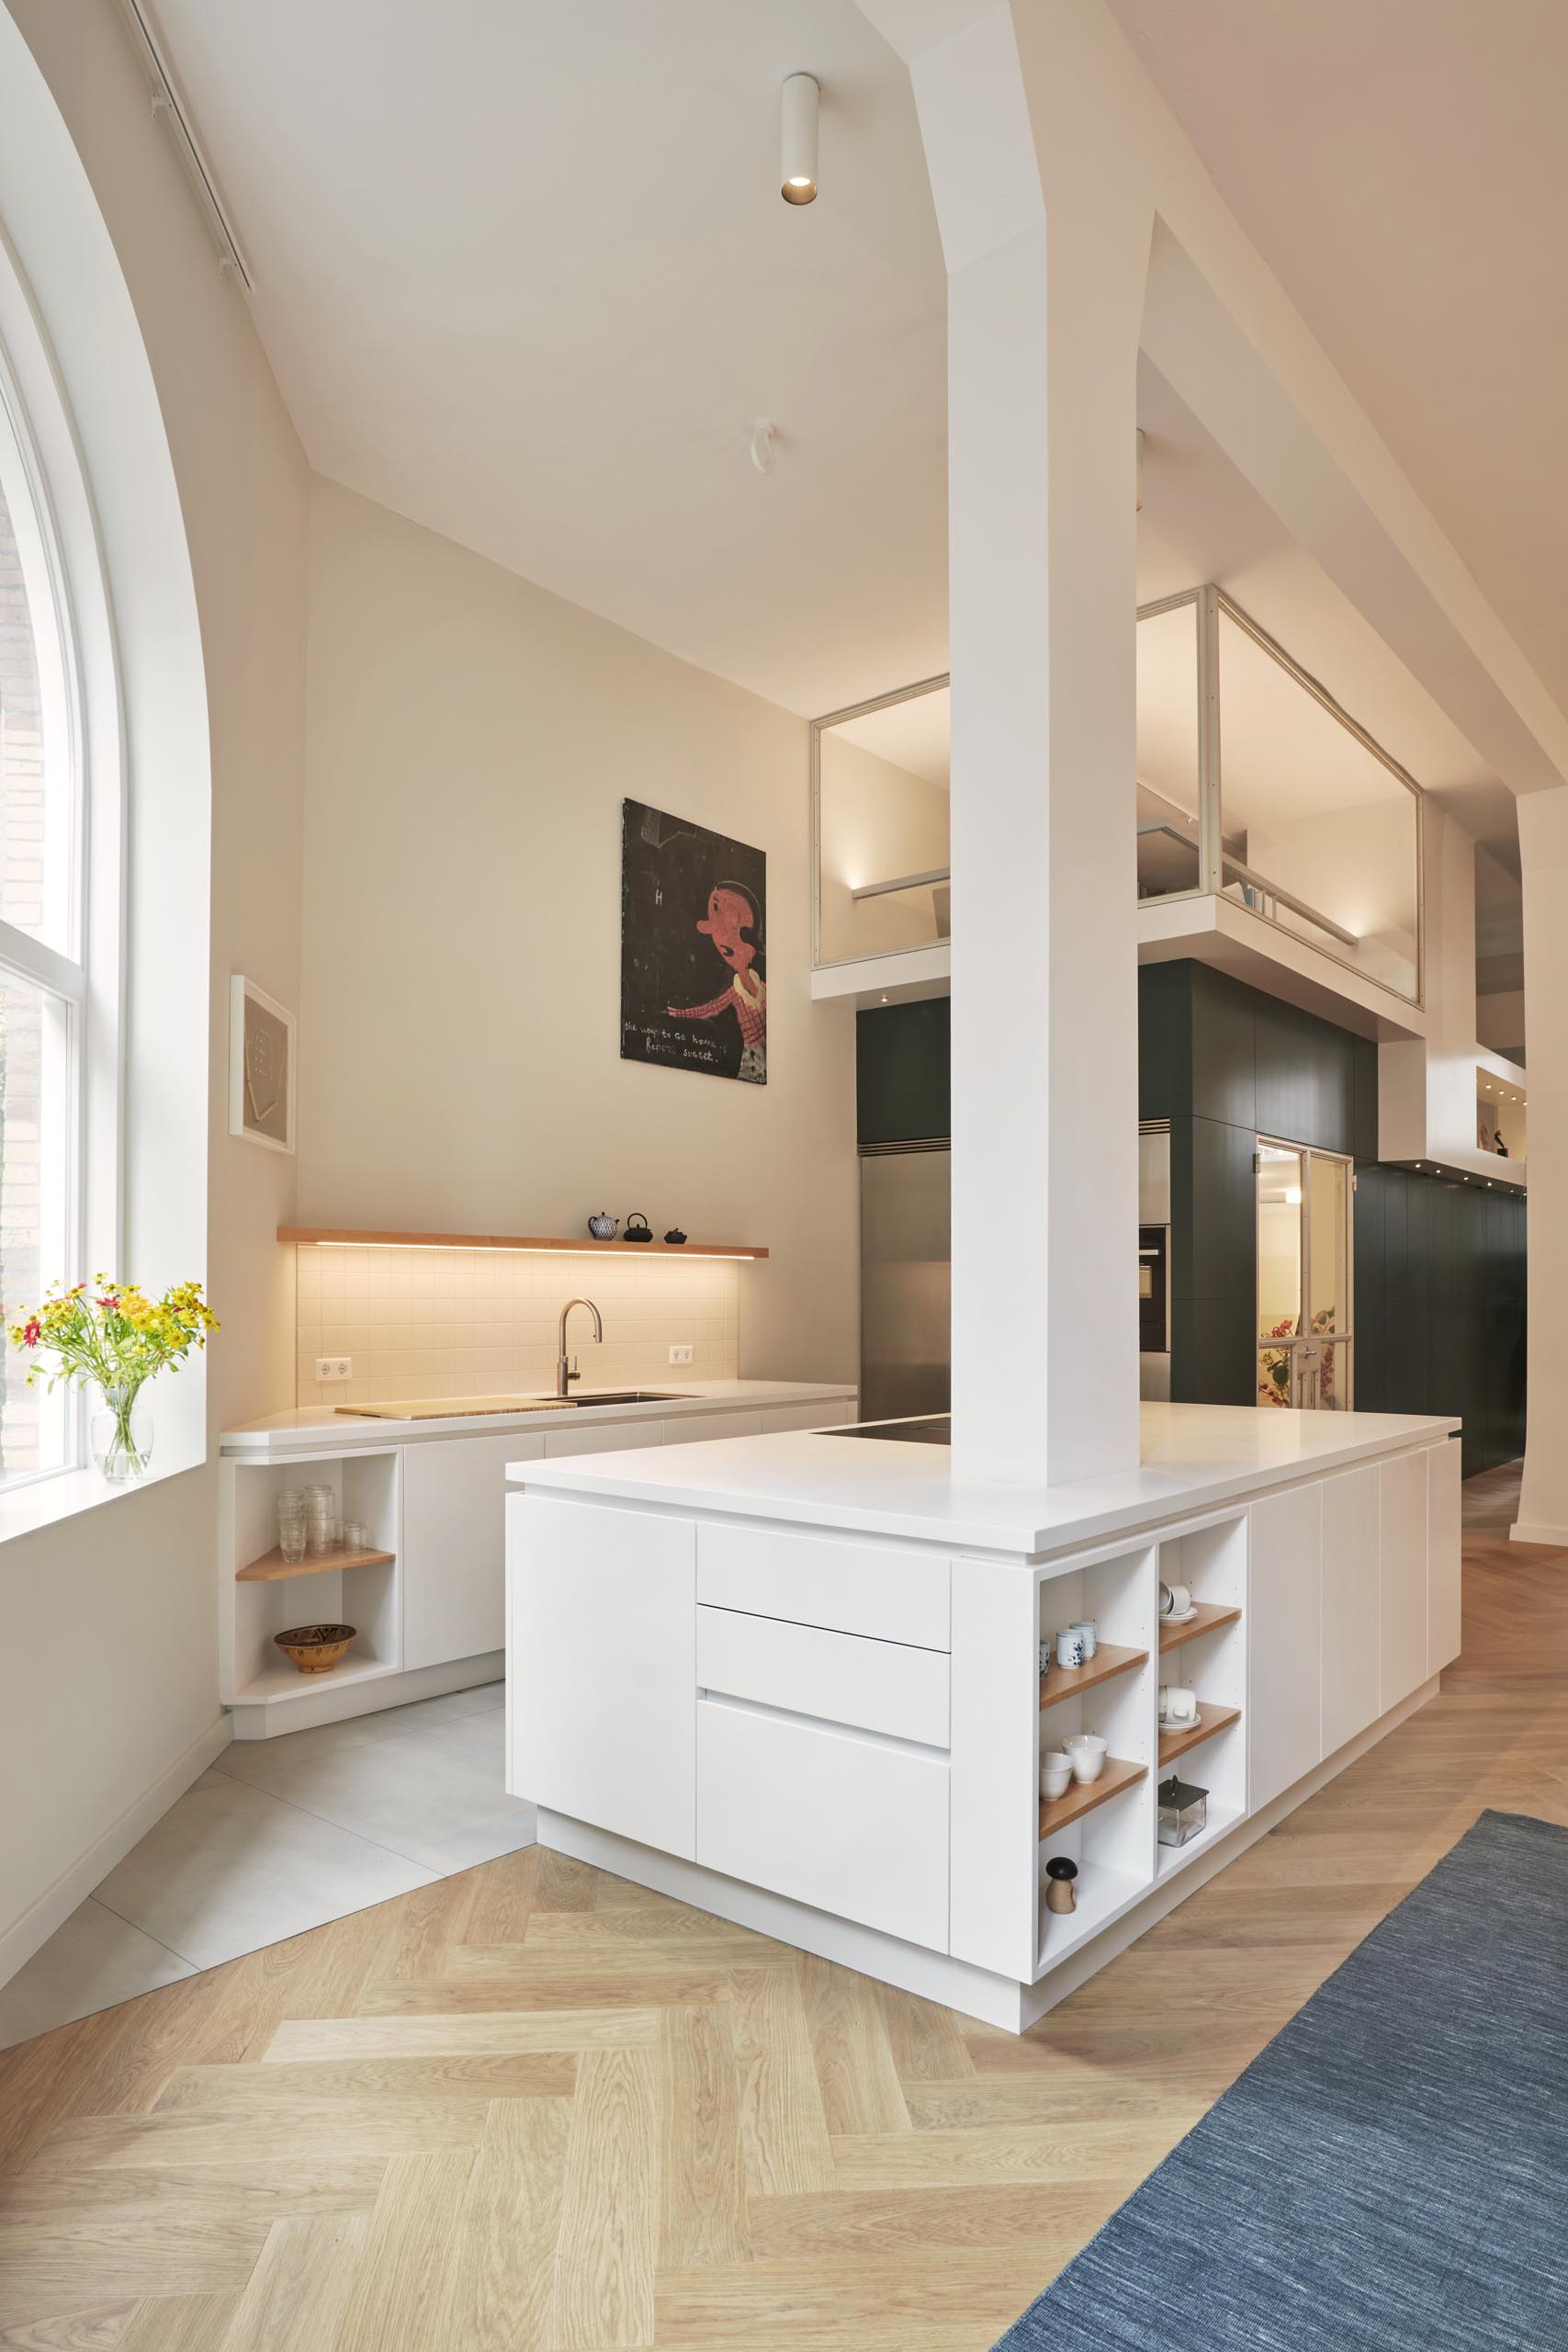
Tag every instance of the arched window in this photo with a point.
(44, 994)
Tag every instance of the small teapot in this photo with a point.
(602, 1226)
(675, 1236)
(637, 1227)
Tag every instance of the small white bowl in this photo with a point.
(1056, 1773)
(1088, 1753)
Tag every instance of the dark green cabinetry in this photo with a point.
(902, 1094)
(1439, 1314)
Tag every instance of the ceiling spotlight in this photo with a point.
(798, 139)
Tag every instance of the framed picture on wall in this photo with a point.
(261, 1066)
(693, 940)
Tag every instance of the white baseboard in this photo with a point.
(1522, 1532)
(53, 1908)
(319, 1700)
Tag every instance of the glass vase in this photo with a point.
(121, 1435)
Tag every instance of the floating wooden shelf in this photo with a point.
(272, 1567)
(1173, 1744)
(1066, 1681)
(311, 1236)
(1083, 1796)
(1204, 1617)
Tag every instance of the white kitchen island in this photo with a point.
(793, 1678)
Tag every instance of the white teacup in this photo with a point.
(1166, 1602)
(1087, 1750)
(1180, 1600)
(1056, 1773)
(1177, 1705)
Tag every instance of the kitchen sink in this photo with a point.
(635, 1397)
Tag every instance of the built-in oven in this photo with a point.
(1154, 1260)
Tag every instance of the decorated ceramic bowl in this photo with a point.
(314, 1649)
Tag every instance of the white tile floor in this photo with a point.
(278, 1836)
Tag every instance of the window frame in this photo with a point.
(85, 977)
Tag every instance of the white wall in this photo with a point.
(471, 738)
(119, 1705)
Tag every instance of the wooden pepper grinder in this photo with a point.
(1061, 1896)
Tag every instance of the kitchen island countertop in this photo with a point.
(1194, 1456)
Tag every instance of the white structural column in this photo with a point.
(1046, 260)
(1543, 861)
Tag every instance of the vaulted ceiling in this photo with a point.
(524, 276)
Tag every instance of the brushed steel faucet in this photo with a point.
(565, 1366)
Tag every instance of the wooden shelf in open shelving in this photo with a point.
(272, 1567)
(314, 1236)
(1068, 1682)
(1084, 1795)
(1204, 1618)
(1173, 1744)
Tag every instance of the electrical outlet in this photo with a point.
(334, 1367)
(680, 1356)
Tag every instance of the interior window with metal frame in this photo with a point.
(1255, 785)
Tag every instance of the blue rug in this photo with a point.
(1390, 2174)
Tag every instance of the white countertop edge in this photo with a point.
(828, 1481)
(316, 1430)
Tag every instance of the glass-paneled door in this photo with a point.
(1305, 1277)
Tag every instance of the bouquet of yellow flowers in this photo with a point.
(112, 1334)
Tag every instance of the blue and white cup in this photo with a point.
(1084, 1630)
(1070, 1647)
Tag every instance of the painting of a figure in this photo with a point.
(694, 919)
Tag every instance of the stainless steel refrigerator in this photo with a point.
(906, 1280)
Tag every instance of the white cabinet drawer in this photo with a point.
(691, 1429)
(828, 1413)
(880, 1686)
(829, 1817)
(891, 1591)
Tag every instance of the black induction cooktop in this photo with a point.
(935, 1429)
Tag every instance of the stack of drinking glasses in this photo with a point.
(321, 1506)
(292, 1523)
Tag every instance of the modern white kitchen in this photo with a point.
(768, 859)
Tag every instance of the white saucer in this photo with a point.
(1184, 1619)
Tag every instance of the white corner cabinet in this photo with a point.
(800, 1722)
(428, 1597)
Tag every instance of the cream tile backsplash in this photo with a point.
(481, 1322)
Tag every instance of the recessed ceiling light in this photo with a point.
(798, 139)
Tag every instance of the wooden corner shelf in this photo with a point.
(1083, 1796)
(1173, 1744)
(1066, 1681)
(1205, 1617)
(272, 1567)
(314, 1236)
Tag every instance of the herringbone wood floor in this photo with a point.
(536, 2106)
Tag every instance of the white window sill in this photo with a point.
(43, 1502)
